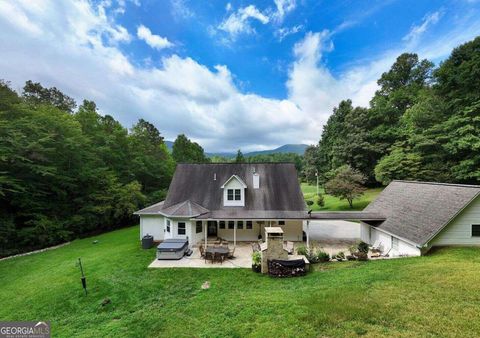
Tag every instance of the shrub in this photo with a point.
(256, 258)
(322, 256)
(309, 203)
(340, 256)
(363, 247)
(302, 250)
(362, 256)
(319, 200)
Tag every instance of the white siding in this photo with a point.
(365, 233)
(152, 225)
(459, 231)
(195, 237)
(292, 230)
(174, 228)
(385, 241)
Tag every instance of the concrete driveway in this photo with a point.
(333, 236)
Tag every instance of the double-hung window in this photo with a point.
(222, 225)
(231, 224)
(249, 225)
(182, 228)
(238, 195)
(240, 225)
(168, 225)
(230, 194)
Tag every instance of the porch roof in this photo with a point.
(240, 213)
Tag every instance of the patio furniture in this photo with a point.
(377, 246)
(288, 246)
(255, 247)
(216, 253)
(202, 251)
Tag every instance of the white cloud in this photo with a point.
(154, 41)
(75, 49)
(418, 30)
(283, 8)
(180, 10)
(239, 21)
(283, 32)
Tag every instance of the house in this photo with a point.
(228, 200)
(422, 215)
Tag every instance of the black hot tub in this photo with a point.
(172, 248)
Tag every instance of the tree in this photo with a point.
(310, 164)
(186, 151)
(240, 158)
(346, 184)
(34, 93)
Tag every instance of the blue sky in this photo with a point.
(229, 74)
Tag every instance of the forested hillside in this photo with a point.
(422, 124)
(67, 172)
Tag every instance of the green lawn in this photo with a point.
(437, 295)
(335, 204)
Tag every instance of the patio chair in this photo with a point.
(202, 251)
(377, 246)
(209, 256)
(289, 247)
(231, 253)
(218, 257)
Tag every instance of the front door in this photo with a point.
(212, 228)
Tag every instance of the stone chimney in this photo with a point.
(273, 247)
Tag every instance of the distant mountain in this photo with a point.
(286, 148)
(169, 145)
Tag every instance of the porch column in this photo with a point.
(235, 233)
(206, 234)
(308, 234)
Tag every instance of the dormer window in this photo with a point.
(234, 192)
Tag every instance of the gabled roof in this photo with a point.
(418, 211)
(347, 215)
(184, 209)
(279, 194)
(234, 177)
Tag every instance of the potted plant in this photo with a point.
(256, 261)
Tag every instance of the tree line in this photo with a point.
(423, 123)
(68, 171)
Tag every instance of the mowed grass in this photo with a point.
(335, 204)
(437, 295)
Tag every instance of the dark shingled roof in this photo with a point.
(279, 195)
(347, 215)
(417, 211)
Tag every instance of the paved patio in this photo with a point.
(242, 259)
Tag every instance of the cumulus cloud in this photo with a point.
(239, 21)
(154, 41)
(76, 49)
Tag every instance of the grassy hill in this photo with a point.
(435, 295)
(335, 204)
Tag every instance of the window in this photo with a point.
(394, 243)
(237, 195)
(249, 225)
(240, 225)
(222, 225)
(199, 226)
(168, 225)
(230, 194)
(475, 230)
(181, 228)
(231, 224)
(281, 222)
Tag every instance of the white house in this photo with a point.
(227, 200)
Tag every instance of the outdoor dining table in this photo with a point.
(221, 250)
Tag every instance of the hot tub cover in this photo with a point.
(173, 244)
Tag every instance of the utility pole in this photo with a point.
(316, 175)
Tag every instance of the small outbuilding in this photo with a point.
(422, 215)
